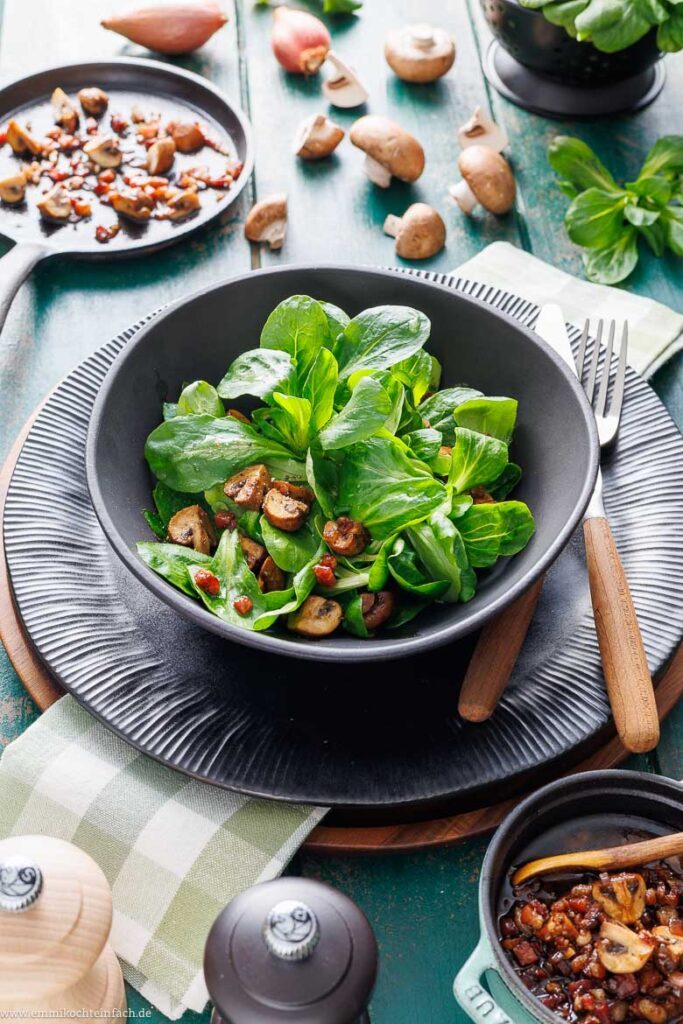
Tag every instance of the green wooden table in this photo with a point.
(423, 907)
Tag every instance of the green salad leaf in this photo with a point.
(441, 550)
(172, 561)
(258, 373)
(489, 531)
(493, 416)
(381, 337)
(362, 416)
(613, 25)
(476, 460)
(236, 581)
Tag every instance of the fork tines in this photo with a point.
(600, 402)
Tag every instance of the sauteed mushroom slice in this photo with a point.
(182, 204)
(345, 536)
(670, 952)
(188, 137)
(56, 205)
(377, 608)
(248, 487)
(297, 491)
(66, 114)
(620, 950)
(192, 528)
(13, 188)
(160, 156)
(622, 896)
(317, 617)
(94, 101)
(283, 512)
(135, 204)
(480, 496)
(21, 140)
(271, 576)
(104, 150)
(254, 553)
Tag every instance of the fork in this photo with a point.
(627, 677)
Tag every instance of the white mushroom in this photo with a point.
(419, 53)
(344, 88)
(267, 221)
(621, 897)
(182, 204)
(317, 617)
(317, 137)
(66, 114)
(419, 233)
(620, 950)
(56, 205)
(481, 130)
(104, 150)
(94, 101)
(13, 188)
(136, 204)
(21, 140)
(487, 178)
(389, 150)
(160, 156)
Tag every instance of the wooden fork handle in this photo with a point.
(627, 677)
(494, 657)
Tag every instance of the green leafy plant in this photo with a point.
(612, 25)
(352, 412)
(607, 219)
(329, 6)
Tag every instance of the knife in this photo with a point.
(501, 640)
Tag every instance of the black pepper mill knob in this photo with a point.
(291, 950)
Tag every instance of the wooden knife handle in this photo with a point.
(627, 677)
(495, 655)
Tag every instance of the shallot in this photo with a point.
(170, 28)
(299, 40)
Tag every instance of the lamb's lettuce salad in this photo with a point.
(355, 494)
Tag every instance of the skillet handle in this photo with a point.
(15, 267)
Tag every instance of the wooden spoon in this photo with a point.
(614, 858)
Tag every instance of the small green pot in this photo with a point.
(505, 1000)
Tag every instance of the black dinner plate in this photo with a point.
(376, 742)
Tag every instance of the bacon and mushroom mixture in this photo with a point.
(606, 950)
(126, 162)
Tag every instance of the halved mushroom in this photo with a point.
(267, 221)
(622, 896)
(487, 179)
(317, 617)
(620, 950)
(389, 150)
(419, 53)
(297, 491)
(160, 156)
(283, 512)
(345, 536)
(104, 150)
(94, 101)
(254, 553)
(13, 188)
(344, 88)
(481, 130)
(134, 204)
(248, 487)
(192, 528)
(419, 233)
(21, 140)
(671, 947)
(377, 608)
(66, 114)
(188, 136)
(182, 204)
(271, 576)
(317, 137)
(56, 205)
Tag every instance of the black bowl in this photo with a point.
(528, 36)
(555, 441)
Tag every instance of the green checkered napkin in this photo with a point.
(175, 851)
(655, 331)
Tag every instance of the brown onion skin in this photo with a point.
(299, 41)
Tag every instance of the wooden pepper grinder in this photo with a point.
(55, 919)
(293, 950)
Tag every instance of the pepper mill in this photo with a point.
(291, 950)
(55, 919)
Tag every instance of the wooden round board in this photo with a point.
(324, 839)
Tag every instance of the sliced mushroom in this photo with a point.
(248, 487)
(297, 491)
(673, 945)
(622, 896)
(104, 150)
(345, 536)
(419, 53)
(21, 140)
(271, 576)
(343, 88)
(267, 221)
(135, 204)
(620, 950)
(377, 608)
(481, 130)
(182, 204)
(487, 179)
(94, 101)
(317, 617)
(237, 415)
(66, 114)
(13, 188)
(188, 136)
(160, 156)
(254, 553)
(56, 205)
(317, 137)
(283, 512)
(419, 233)
(480, 496)
(192, 528)
(389, 150)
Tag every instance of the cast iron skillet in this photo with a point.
(153, 86)
(555, 440)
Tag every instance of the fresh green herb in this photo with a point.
(612, 25)
(330, 6)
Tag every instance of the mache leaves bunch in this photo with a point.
(613, 25)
